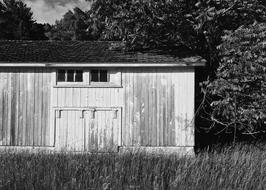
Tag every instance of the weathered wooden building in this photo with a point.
(90, 96)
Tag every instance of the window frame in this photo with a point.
(87, 83)
(67, 76)
(99, 77)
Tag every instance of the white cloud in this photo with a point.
(45, 11)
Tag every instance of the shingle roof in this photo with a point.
(85, 52)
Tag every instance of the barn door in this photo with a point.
(70, 130)
(92, 130)
(103, 130)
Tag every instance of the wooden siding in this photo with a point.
(158, 107)
(93, 130)
(103, 130)
(70, 130)
(24, 107)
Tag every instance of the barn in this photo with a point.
(94, 97)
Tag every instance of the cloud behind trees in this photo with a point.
(48, 11)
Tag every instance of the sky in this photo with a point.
(48, 11)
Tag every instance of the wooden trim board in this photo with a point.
(99, 65)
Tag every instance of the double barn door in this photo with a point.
(92, 130)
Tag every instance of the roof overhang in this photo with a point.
(57, 65)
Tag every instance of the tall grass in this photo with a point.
(240, 167)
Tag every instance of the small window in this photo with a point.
(69, 75)
(61, 75)
(99, 76)
(79, 76)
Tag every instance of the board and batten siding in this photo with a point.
(157, 105)
(156, 108)
(25, 107)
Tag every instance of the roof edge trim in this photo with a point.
(55, 65)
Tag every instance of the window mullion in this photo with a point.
(75, 72)
(108, 76)
(99, 76)
(65, 75)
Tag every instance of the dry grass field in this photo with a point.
(240, 167)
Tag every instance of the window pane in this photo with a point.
(94, 76)
(61, 76)
(79, 76)
(70, 76)
(103, 76)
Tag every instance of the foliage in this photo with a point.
(76, 25)
(167, 24)
(16, 22)
(240, 87)
(198, 26)
(213, 18)
(144, 24)
(37, 32)
(241, 167)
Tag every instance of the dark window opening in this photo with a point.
(69, 75)
(79, 76)
(99, 76)
(94, 76)
(61, 74)
(103, 76)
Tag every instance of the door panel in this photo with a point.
(94, 130)
(70, 130)
(103, 130)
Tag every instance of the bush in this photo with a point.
(240, 86)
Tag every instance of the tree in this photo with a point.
(166, 24)
(198, 25)
(16, 20)
(144, 24)
(37, 32)
(73, 26)
(240, 86)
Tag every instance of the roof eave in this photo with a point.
(56, 65)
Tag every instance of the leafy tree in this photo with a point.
(166, 24)
(73, 26)
(240, 86)
(16, 20)
(198, 25)
(144, 24)
(37, 32)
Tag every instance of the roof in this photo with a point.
(87, 53)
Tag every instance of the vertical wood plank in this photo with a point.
(20, 108)
(59, 134)
(9, 107)
(45, 103)
(5, 110)
(53, 102)
(39, 111)
(138, 102)
(31, 102)
(157, 112)
(17, 126)
(35, 102)
(155, 107)
(1, 108)
(24, 109)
